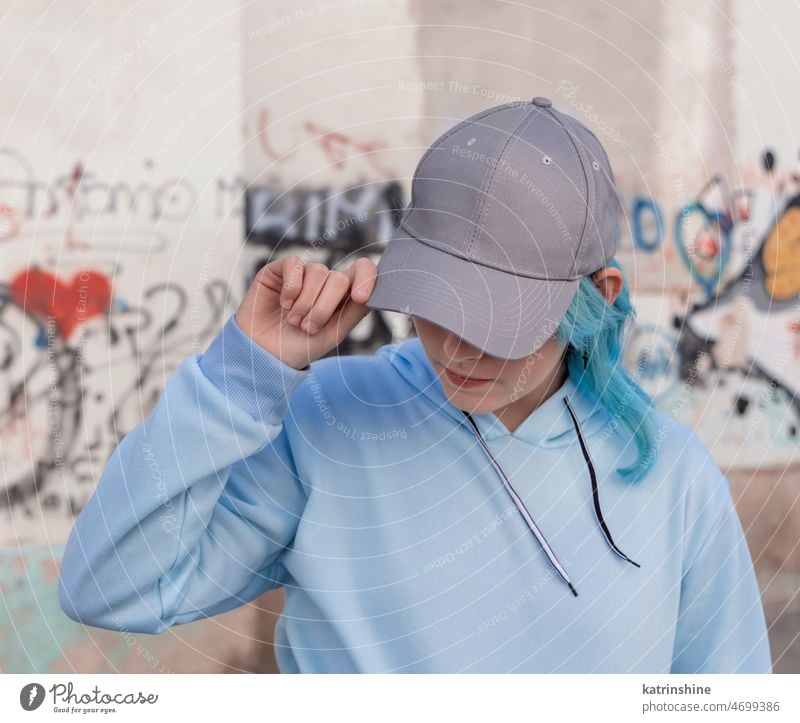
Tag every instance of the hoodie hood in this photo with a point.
(566, 417)
(549, 425)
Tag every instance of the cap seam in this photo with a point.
(484, 196)
(589, 190)
(442, 138)
(608, 174)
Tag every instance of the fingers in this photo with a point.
(363, 274)
(291, 271)
(323, 291)
(314, 277)
(336, 287)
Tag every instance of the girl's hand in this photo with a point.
(300, 312)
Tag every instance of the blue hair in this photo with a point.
(595, 330)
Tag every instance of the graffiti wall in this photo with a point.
(117, 265)
(152, 160)
(723, 353)
(120, 223)
(91, 324)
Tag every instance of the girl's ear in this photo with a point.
(609, 282)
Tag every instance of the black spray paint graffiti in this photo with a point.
(61, 397)
(328, 227)
(81, 194)
(344, 221)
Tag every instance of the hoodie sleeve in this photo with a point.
(721, 626)
(197, 502)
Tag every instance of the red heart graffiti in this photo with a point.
(41, 294)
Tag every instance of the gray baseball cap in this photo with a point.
(509, 209)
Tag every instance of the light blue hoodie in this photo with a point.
(404, 542)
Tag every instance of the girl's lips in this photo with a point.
(464, 381)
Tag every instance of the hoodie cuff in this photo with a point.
(256, 380)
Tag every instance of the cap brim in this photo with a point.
(500, 313)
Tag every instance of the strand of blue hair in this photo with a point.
(595, 331)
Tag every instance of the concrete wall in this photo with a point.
(119, 243)
(130, 134)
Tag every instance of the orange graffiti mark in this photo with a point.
(781, 257)
(71, 243)
(9, 225)
(336, 146)
(263, 137)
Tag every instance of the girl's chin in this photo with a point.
(469, 403)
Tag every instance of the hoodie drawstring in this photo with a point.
(523, 510)
(595, 495)
(526, 515)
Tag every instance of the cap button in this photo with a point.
(542, 102)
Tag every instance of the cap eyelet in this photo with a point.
(595, 165)
(546, 160)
